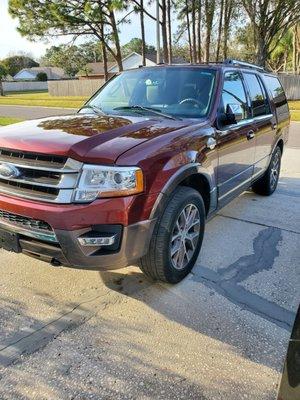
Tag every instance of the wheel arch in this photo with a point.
(194, 176)
(280, 144)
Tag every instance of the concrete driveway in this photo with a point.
(220, 334)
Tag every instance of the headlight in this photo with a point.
(101, 181)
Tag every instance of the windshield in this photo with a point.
(179, 92)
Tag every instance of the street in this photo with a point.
(27, 112)
(222, 333)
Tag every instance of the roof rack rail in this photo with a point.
(239, 63)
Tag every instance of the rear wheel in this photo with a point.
(267, 184)
(177, 237)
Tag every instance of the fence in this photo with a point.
(24, 86)
(291, 85)
(85, 87)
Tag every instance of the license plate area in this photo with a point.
(9, 241)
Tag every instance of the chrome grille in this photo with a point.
(26, 226)
(25, 222)
(31, 158)
(40, 177)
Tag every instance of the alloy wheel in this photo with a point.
(185, 236)
(275, 167)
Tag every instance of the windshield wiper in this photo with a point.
(148, 109)
(97, 110)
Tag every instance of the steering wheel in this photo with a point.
(191, 100)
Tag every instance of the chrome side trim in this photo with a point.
(236, 176)
(45, 236)
(244, 122)
(236, 188)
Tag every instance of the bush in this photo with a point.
(42, 77)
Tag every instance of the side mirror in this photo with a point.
(234, 113)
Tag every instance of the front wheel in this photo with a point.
(177, 237)
(267, 184)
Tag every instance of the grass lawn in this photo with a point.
(8, 120)
(294, 105)
(44, 99)
(41, 99)
(295, 110)
(295, 115)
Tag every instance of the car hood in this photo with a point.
(85, 137)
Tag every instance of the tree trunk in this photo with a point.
(294, 50)
(225, 42)
(199, 32)
(169, 31)
(164, 30)
(104, 52)
(220, 31)
(1, 88)
(209, 13)
(297, 48)
(115, 32)
(261, 51)
(188, 30)
(228, 7)
(104, 56)
(194, 31)
(143, 32)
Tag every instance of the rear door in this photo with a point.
(236, 144)
(264, 121)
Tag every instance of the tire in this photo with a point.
(267, 184)
(158, 263)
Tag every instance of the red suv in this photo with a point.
(132, 177)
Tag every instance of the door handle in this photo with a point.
(250, 135)
(274, 126)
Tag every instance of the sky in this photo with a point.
(11, 42)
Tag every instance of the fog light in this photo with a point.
(97, 241)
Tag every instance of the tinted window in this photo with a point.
(274, 86)
(257, 95)
(183, 92)
(234, 93)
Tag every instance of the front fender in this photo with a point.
(176, 179)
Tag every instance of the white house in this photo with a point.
(30, 74)
(133, 60)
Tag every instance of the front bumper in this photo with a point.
(67, 223)
(134, 244)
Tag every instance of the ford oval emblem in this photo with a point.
(8, 171)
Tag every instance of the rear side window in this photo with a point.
(259, 102)
(278, 95)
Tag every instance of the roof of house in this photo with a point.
(52, 72)
(97, 68)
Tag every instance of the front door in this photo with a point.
(236, 144)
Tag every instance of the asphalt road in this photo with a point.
(28, 112)
(220, 334)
